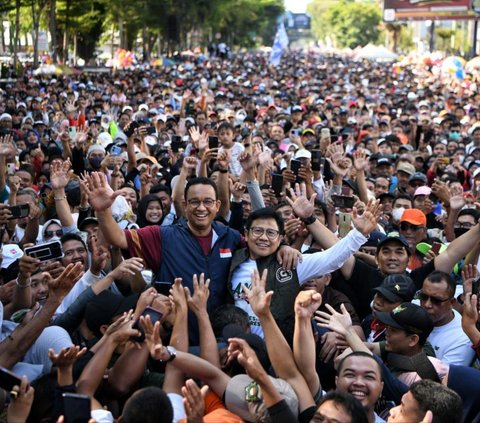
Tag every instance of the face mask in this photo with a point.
(461, 159)
(454, 136)
(459, 231)
(397, 213)
(95, 162)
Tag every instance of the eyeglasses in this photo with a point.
(272, 234)
(406, 227)
(208, 202)
(465, 225)
(434, 300)
(49, 234)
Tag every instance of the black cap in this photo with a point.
(409, 317)
(385, 195)
(384, 161)
(87, 221)
(397, 288)
(394, 236)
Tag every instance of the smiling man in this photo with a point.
(264, 231)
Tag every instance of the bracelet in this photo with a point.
(309, 220)
(60, 198)
(29, 283)
(84, 208)
(223, 170)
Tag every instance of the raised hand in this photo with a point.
(189, 164)
(338, 322)
(223, 159)
(7, 148)
(122, 330)
(361, 160)
(198, 302)
(130, 266)
(14, 183)
(100, 194)
(302, 207)
(245, 355)
(257, 297)
(457, 202)
(307, 303)
(178, 296)
(20, 405)
(237, 189)
(246, 161)
(99, 257)
(153, 339)
(60, 174)
(194, 401)
(469, 274)
(367, 222)
(82, 136)
(58, 288)
(194, 135)
(67, 356)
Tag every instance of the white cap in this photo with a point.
(303, 154)
(143, 107)
(5, 116)
(104, 139)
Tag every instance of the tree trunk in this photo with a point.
(75, 37)
(17, 31)
(65, 35)
(53, 30)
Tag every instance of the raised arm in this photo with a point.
(279, 352)
(304, 349)
(59, 176)
(361, 164)
(188, 167)
(101, 197)
(223, 185)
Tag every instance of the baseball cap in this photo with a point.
(303, 154)
(414, 216)
(297, 109)
(235, 398)
(95, 147)
(418, 176)
(397, 288)
(409, 317)
(424, 190)
(383, 161)
(407, 168)
(393, 237)
(5, 116)
(87, 221)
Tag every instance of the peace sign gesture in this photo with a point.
(257, 297)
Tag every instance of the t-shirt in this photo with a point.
(234, 167)
(409, 377)
(451, 344)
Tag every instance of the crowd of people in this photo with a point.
(224, 241)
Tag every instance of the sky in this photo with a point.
(297, 6)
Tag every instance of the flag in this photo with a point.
(279, 44)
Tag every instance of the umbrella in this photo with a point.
(53, 70)
(473, 64)
(372, 52)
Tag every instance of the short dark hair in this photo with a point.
(348, 403)
(403, 196)
(227, 314)
(72, 237)
(437, 276)
(161, 188)
(444, 403)
(265, 213)
(359, 354)
(225, 125)
(148, 405)
(470, 212)
(202, 180)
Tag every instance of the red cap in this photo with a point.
(415, 217)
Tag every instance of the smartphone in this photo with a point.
(475, 286)
(295, 132)
(76, 408)
(11, 169)
(22, 210)
(72, 132)
(116, 150)
(444, 160)
(131, 128)
(344, 224)
(44, 252)
(151, 130)
(245, 132)
(162, 287)
(8, 380)
(212, 142)
(436, 247)
(277, 184)
(316, 160)
(433, 198)
(177, 145)
(295, 166)
(343, 201)
(155, 316)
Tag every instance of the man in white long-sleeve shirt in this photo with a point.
(264, 233)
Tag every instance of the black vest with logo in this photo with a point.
(284, 284)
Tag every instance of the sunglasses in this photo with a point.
(50, 234)
(434, 300)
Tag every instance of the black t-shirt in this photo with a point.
(360, 287)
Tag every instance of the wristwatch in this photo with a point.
(309, 220)
(173, 354)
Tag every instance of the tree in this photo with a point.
(353, 23)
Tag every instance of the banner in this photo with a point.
(279, 44)
(394, 10)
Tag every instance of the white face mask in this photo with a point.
(397, 213)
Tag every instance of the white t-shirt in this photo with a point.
(234, 167)
(313, 265)
(451, 344)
